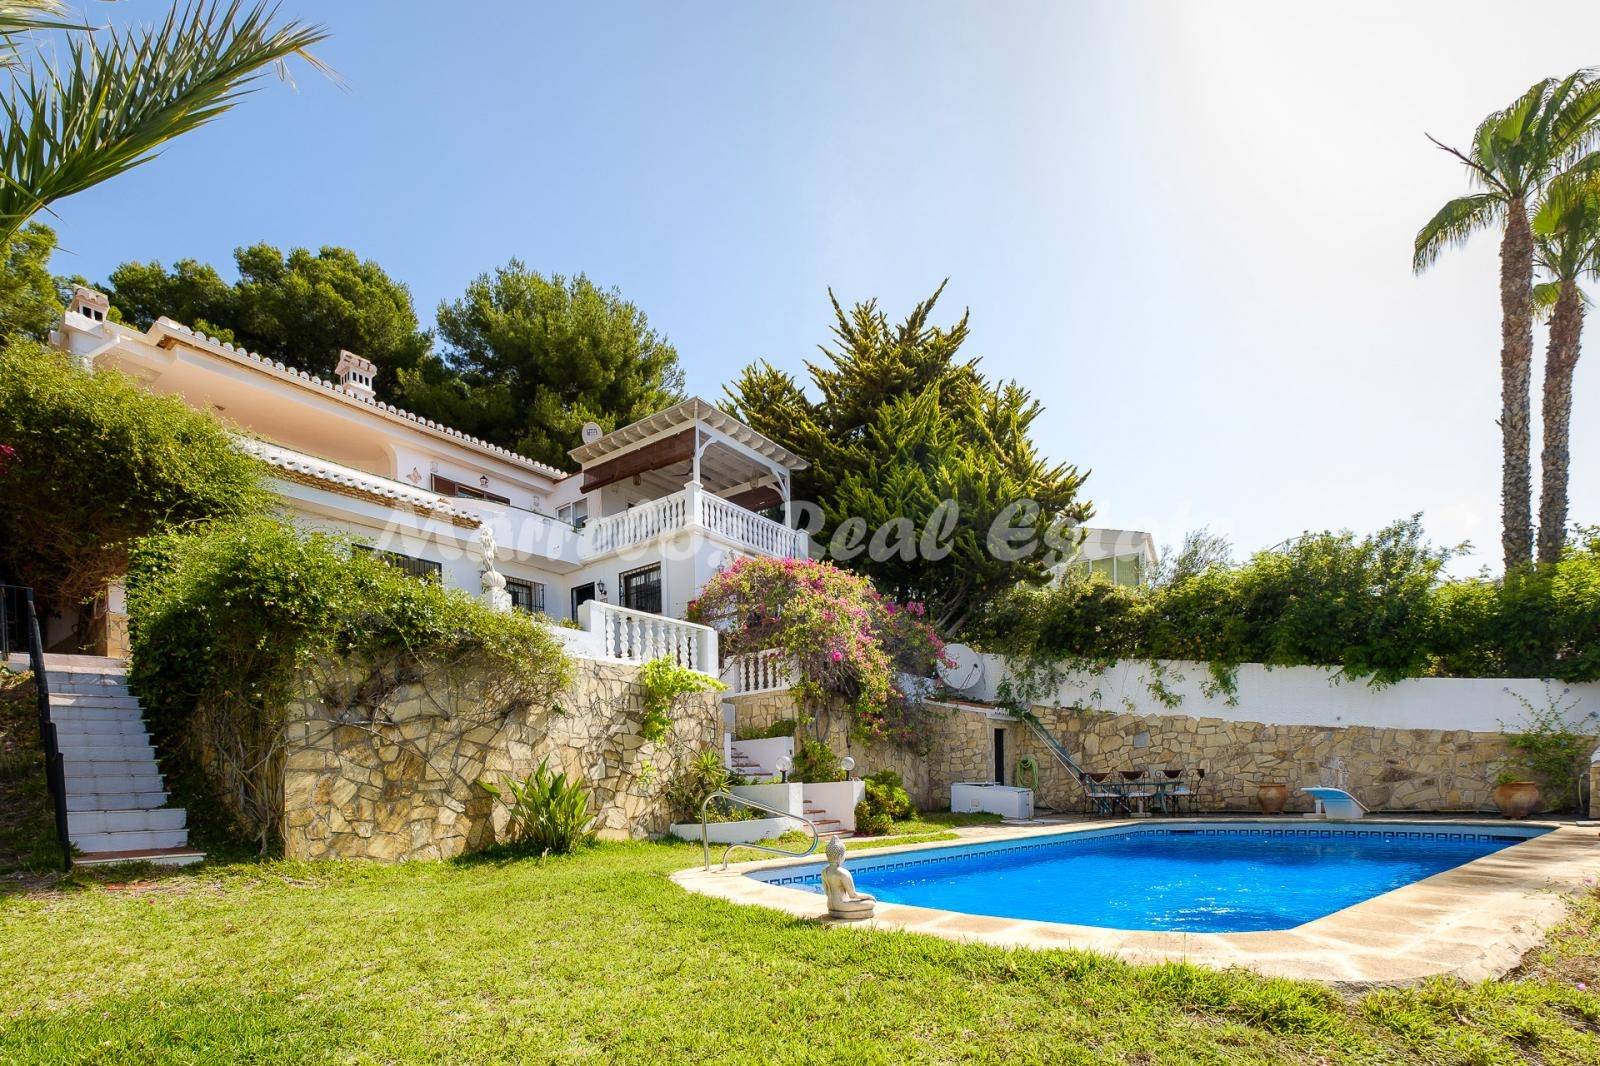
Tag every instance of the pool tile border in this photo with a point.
(1474, 921)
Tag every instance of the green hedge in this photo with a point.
(1373, 607)
(228, 623)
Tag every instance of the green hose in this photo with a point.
(1027, 765)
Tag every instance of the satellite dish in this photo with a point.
(592, 432)
(965, 671)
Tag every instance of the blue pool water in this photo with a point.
(1190, 879)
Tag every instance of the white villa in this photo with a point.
(652, 511)
(1122, 556)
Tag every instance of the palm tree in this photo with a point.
(115, 96)
(1566, 230)
(1514, 153)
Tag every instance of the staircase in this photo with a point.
(116, 801)
(748, 769)
(826, 827)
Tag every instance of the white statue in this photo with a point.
(843, 899)
(494, 583)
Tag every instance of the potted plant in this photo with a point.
(1516, 798)
(1549, 752)
(1272, 796)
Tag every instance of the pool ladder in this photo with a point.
(705, 839)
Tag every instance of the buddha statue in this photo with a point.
(843, 899)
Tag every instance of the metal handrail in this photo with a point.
(1057, 749)
(705, 839)
(54, 768)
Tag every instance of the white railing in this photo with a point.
(753, 531)
(637, 524)
(762, 671)
(692, 507)
(638, 636)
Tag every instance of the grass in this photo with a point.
(600, 958)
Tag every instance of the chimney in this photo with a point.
(88, 303)
(355, 374)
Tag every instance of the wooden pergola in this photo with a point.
(693, 442)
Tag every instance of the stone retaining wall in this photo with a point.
(409, 790)
(1390, 769)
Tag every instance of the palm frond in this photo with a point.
(1566, 226)
(1454, 223)
(19, 17)
(121, 94)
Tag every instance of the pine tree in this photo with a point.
(905, 424)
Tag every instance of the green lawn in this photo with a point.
(601, 958)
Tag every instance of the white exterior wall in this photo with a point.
(1305, 695)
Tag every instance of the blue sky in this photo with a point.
(1185, 227)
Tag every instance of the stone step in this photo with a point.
(127, 747)
(114, 765)
(115, 801)
(67, 716)
(131, 840)
(119, 691)
(117, 821)
(179, 856)
(78, 701)
(125, 726)
(111, 784)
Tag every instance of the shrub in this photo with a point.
(884, 802)
(663, 683)
(783, 727)
(692, 780)
(549, 812)
(93, 463)
(1373, 607)
(815, 762)
(849, 644)
(230, 621)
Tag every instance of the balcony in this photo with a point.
(692, 509)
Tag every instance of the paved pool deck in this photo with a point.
(1474, 922)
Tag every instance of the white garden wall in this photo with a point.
(1303, 695)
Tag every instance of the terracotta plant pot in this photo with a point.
(1272, 797)
(1516, 799)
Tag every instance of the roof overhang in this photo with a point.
(691, 412)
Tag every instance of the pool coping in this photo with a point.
(1474, 921)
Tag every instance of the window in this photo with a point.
(575, 514)
(526, 595)
(424, 569)
(446, 487)
(641, 589)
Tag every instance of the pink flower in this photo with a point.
(837, 656)
(916, 608)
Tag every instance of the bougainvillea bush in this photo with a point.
(851, 645)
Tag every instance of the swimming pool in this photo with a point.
(1193, 877)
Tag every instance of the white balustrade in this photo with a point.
(762, 671)
(756, 532)
(639, 636)
(692, 507)
(637, 524)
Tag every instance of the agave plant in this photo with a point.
(110, 98)
(549, 812)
